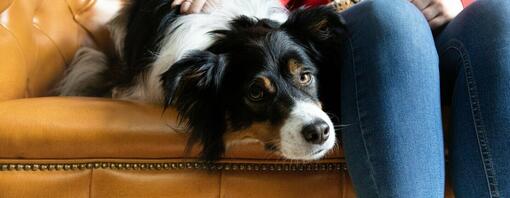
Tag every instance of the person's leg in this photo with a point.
(391, 102)
(474, 53)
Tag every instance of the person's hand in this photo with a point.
(196, 6)
(438, 12)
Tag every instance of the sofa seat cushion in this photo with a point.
(79, 127)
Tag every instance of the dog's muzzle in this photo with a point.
(308, 132)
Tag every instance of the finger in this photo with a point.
(431, 12)
(211, 5)
(185, 6)
(196, 6)
(421, 4)
(438, 22)
(176, 3)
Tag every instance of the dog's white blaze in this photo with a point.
(293, 144)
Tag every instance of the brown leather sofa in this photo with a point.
(92, 147)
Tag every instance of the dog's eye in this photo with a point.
(305, 78)
(256, 92)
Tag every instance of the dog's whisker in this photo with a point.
(340, 127)
(272, 155)
(333, 117)
(174, 62)
(343, 125)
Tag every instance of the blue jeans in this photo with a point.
(395, 77)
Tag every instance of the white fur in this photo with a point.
(191, 32)
(84, 73)
(293, 144)
(187, 33)
(117, 27)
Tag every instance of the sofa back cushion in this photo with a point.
(38, 38)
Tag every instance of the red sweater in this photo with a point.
(467, 2)
(311, 3)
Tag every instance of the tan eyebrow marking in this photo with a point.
(320, 25)
(267, 84)
(294, 66)
(265, 132)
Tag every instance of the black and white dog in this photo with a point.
(248, 70)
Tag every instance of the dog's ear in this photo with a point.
(193, 86)
(323, 33)
(315, 28)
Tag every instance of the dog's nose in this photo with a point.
(316, 132)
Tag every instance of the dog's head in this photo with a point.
(259, 81)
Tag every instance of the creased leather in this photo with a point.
(78, 127)
(37, 40)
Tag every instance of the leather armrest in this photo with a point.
(77, 127)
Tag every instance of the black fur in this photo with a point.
(209, 88)
(324, 46)
(147, 23)
(193, 86)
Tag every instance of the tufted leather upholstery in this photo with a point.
(93, 147)
(39, 37)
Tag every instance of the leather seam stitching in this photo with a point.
(220, 184)
(7, 6)
(18, 46)
(51, 40)
(80, 24)
(36, 26)
(90, 182)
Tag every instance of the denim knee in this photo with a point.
(483, 29)
(393, 28)
(396, 18)
(492, 10)
(490, 18)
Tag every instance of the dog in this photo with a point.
(248, 70)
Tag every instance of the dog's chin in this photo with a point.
(292, 142)
(306, 153)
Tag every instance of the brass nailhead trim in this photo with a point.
(176, 166)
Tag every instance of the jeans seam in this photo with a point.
(365, 146)
(480, 129)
